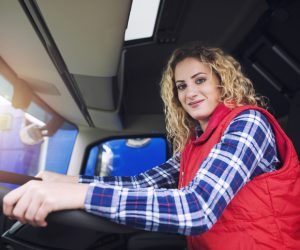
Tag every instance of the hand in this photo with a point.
(32, 202)
(48, 176)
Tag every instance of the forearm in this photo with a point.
(164, 175)
(122, 181)
(195, 208)
(163, 210)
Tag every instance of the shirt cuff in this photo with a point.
(86, 179)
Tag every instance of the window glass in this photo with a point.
(15, 156)
(39, 113)
(20, 154)
(142, 19)
(126, 157)
(60, 148)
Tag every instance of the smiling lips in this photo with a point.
(195, 104)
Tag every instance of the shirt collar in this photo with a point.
(217, 116)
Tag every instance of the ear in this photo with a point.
(230, 103)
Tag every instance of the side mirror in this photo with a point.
(31, 134)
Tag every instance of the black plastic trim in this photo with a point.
(72, 218)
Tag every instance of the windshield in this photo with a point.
(22, 151)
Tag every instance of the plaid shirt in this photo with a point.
(151, 200)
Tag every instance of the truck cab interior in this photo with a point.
(78, 82)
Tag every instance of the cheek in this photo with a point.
(218, 95)
(215, 94)
(180, 97)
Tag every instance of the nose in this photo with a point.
(191, 91)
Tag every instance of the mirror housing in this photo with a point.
(31, 134)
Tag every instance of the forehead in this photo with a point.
(190, 66)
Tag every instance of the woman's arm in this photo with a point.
(247, 149)
(48, 176)
(163, 176)
(32, 202)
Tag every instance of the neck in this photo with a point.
(203, 125)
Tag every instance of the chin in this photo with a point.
(200, 117)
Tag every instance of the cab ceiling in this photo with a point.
(89, 37)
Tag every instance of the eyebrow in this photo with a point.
(192, 77)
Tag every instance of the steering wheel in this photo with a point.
(66, 230)
(72, 218)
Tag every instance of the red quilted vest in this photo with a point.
(265, 214)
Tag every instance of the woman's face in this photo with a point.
(197, 87)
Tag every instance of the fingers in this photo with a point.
(20, 208)
(30, 213)
(27, 204)
(10, 200)
(38, 210)
(40, 216)
(32, 202)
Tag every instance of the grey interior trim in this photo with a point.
(97, 91)
(33, 13)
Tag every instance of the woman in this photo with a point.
(234, 172)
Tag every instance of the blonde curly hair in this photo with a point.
(235, 88)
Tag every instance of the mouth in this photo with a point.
(194, 104)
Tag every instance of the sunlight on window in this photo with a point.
(4, 101)
(32, 119)
(142, 19)
(6, 92)
(23, 147)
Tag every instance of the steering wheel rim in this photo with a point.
(72, 218)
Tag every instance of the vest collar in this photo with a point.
(219, 113)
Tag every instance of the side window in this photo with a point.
(60, 148)
(126, 157)
(19, 153)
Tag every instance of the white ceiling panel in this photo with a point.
(89, 34)
(22, 50)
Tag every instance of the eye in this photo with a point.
(200, 80)
(181, 86)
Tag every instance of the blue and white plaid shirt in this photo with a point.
(151, 200)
